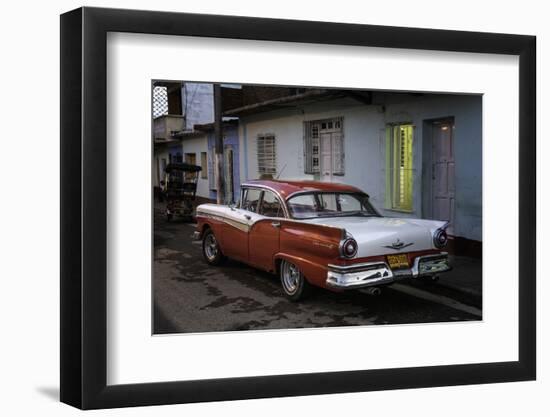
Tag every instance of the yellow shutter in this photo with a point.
(399, 167)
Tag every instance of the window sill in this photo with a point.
(399, 210)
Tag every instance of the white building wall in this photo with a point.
(364, 143)
(362, 140)
(197, 145)
(288, 143)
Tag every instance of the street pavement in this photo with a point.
(191, 296)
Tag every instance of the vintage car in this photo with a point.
(320, 234)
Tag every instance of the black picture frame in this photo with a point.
(84, 207)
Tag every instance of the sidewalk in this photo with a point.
(466, 275)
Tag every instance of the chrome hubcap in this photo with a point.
(291, 278)
(210, 247)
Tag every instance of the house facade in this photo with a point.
(231, 166)
(197, 147)
(416, 155)
(183, 131)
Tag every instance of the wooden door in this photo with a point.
(228, 174)
(443, 172)
(326, 157)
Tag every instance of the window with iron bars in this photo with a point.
(266, 152)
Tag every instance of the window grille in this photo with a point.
(267, 158)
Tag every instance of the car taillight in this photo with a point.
(349, 248)
(440, 238)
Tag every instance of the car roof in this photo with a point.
(285, 188)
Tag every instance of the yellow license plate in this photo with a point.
(398, 261)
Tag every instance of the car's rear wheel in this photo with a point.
(211, 248)
(293, 281)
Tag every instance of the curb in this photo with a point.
(468, 291)
(468, 295)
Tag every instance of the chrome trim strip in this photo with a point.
(370, 282)
(369, 274)
(398, 245)
(361, 266)
(210, 215)
(244, 226)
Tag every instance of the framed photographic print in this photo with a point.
(256, 208)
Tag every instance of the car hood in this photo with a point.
(386, 235)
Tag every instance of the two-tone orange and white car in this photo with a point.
(320, 234)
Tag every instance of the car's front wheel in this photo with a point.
(211, 248)
(293, 281)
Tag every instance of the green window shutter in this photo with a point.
(399, 167)
(388, 199)
(396, 169)
(407, 158)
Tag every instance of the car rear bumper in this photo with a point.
(379, 273)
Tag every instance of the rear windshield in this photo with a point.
(310, 205)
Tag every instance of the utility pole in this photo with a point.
(218, 139)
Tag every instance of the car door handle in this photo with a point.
(276, 224)
(247, 216)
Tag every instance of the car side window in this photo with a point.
(270, 207)
(251, 199)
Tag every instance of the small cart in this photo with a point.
(179, 188)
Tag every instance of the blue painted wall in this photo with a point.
(231, 137)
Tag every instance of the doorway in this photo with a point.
(331, 148)
(228, 174)
(326, 157)
(190, 158)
